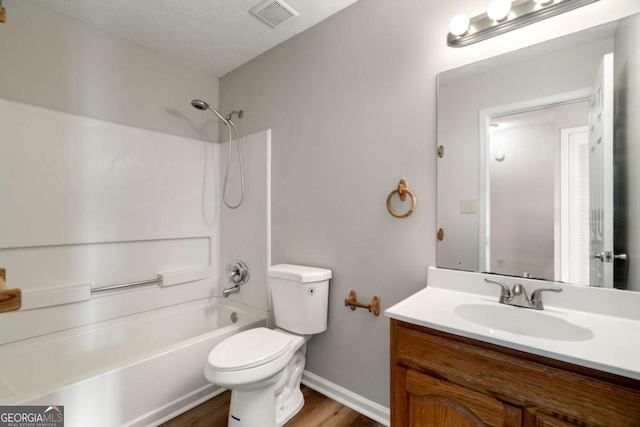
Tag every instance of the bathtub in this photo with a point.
(136, 370)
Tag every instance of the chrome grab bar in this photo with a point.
(126, 285)
(170, 278)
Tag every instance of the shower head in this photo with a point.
(201, 105)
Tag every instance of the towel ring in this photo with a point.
(402, 192)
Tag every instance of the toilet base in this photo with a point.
(289, 399)
(252, 408)
(285, 412)
(271, 404)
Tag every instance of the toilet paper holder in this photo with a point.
(352, 302)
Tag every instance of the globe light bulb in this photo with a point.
(459, 24)
(498, 9)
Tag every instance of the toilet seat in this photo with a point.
(260, 356)
(249, 349)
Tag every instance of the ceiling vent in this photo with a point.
(274, 12)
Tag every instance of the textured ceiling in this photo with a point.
(214, 35)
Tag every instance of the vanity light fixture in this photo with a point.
(503, 16)
(459, 24)
(498, 10)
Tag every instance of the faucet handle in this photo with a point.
(505, 293)
(238, 272)
(536, 300)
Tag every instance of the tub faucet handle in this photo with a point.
(238, 274)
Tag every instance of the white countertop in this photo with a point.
(612, 343)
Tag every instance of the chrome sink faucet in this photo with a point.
(518, 295)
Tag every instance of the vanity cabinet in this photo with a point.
(440, 380)
(437, 402)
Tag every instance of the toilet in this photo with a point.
(262, 367)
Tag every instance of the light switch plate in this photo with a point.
(468, 206)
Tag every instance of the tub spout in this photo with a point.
(232, 290)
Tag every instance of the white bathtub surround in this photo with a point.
(51, 297)
(602, 324)
(89, 203)
(127, 371)
(246, 231)
(123, 205)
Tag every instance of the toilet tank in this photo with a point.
(300, 298)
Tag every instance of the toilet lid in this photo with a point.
(249, 349)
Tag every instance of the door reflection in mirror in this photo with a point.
(526, 176)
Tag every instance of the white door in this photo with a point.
(601, 176)
(572, 226)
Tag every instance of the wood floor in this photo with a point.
(318, 411)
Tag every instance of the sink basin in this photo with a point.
(523, 321)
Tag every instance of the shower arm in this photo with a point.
(240, 115)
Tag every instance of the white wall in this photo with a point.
(627, 138)
(245, 232)
(352, 108)
(106, 174)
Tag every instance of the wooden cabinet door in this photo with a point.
(437, 403)
(544, 420)
(468, 382)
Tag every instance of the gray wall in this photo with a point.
(522, 193)
(525, 191)
(352, 107)
(49, 60)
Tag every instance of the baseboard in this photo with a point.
(354, 401)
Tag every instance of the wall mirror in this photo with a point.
(540, 168)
